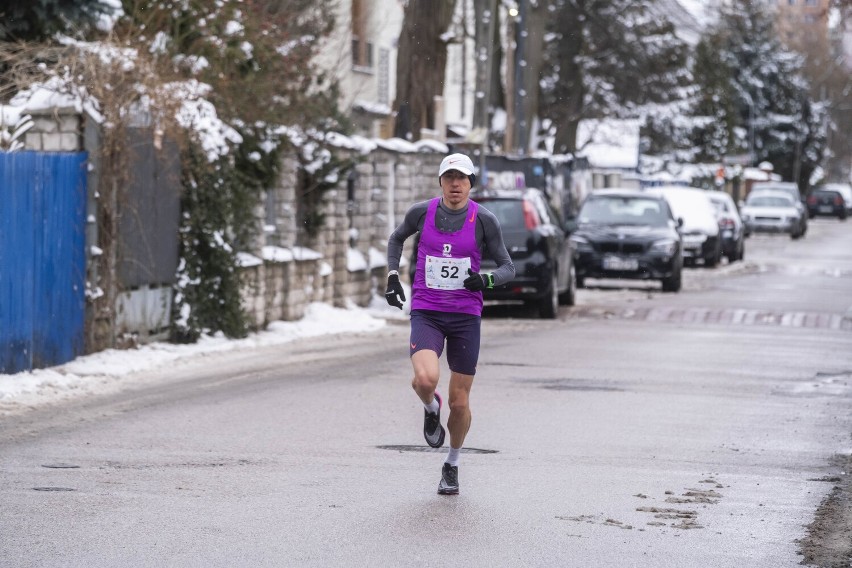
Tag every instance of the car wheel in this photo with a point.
(712, 260)
(741, 254)
(549, 305)
(568, 297)
(581, 282)
(673, 282)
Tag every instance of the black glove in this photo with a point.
(394, 294)
(476, 281)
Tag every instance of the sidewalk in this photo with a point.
(111, 370)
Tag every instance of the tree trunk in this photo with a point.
(536, 24)
(568, 112)
(421, 65)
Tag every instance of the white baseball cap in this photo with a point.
(458, 162)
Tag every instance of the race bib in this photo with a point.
(446, 273)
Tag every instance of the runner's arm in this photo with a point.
(496, 248)
(410, 225)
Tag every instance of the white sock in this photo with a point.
(432, 407)
(453, 456)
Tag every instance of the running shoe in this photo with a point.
(432, 429)
(449, 480)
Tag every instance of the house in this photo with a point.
(611, 147)
(361, 54)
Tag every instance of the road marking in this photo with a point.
(726, 316)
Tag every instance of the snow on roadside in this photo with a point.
(109, 370)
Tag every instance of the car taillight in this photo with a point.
(812, 200)
(838, 200)
(531, 219)
(726, 223)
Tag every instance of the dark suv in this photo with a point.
(538, 245)
(826, 202)
(624, 233)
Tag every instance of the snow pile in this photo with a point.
(13, 125)
(198, 114)
(109, 370)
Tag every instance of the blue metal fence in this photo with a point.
(42, 259)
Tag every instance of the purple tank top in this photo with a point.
(441, 266)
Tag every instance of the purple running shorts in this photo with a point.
(430, 328)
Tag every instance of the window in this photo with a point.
(362, 50)
(383, 96)
(362, 54)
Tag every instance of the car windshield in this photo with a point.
(769, 201)
(792, 191)
(509, 212)
(720, 206)
(826, 193)
(619, 210)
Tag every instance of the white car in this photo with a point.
(771, 211)
(731, 225)
(791, 189)
(700, 229)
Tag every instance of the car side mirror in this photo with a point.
(679, 222)
(740, 204)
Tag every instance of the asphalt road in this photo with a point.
(705, 428)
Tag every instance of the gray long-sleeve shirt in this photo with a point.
(489, 237)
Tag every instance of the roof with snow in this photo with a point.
(609, 143)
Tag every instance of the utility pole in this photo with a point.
(519, 93)
(509, 134)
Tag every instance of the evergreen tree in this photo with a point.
(752, 95)
(31, 20)
(258, 55)
(607, 58)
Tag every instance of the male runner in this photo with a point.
(447, 299)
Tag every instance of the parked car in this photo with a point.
(826, 202)
(792, 190)
(733, 235)
(537, 242)
(624, 233)
(700, 229)
(844, 189)
(771, 211)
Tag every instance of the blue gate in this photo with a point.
(42, 259)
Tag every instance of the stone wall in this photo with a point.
(348, 256)
(55, 130)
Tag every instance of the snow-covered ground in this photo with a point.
(112, 370)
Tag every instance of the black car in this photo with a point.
(826, 202)
(538, 245)
(623, 233)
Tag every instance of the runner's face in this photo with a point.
(456, 188)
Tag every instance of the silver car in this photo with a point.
(791, 189)
(771, 211)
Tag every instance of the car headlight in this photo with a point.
(580, 243)
(666, 247)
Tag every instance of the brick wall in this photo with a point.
(55, 130)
